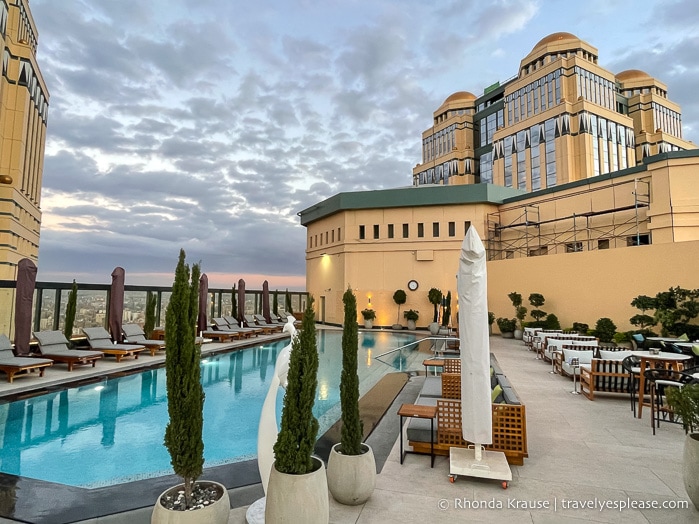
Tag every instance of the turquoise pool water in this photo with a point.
(112, 432)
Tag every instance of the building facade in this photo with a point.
(557, 169)
(561, 118)
(24, 101)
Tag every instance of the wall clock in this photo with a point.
(412, 285)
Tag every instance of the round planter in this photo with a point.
(397, 327)
(508, 334)
(298, 498)
(351, 478)
(690, 466)
(215, 513)
(518, 334)
(434, 328)
(368, 324)
(411, 325)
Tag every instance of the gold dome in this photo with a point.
(632, 74)
(555, 37)
(460, 96)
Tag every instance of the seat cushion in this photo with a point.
(419, 428)
(605, 354)
(432, 387)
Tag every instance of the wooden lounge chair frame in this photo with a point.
(100, 340)
(13, 365)
(54, 346)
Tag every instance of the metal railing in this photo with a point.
(434, 347)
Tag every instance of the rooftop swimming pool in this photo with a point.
(111, 432)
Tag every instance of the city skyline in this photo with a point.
(187, 125)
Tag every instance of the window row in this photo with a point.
(405, 230)
(442, 172)
(534, 98)
(3, 19)
(577, 246)
(667, 120)
(325, 238)
(537, 64)
(595, 88)
(490, 124)
(439, 143)
(612, 144)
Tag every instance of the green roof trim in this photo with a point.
(412, 196)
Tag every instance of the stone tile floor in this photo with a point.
(582, 454)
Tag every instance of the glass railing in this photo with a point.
(92, 309)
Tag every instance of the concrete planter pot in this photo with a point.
(351, 478)
(411, 325)
(508, 334)
(518, 334)
(298, 498)
(215, 513)
(434, 328)
(368, 324)
(690, 466)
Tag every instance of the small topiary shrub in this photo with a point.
(552, 322)
(605, 329)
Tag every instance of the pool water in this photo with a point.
(112, 432)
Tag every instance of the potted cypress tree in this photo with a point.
(149, 324)
(298, 488)
(70, 312)
(351, 464)
(185, 398)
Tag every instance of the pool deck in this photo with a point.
(581, 453)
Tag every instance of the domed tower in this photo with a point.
(447, 146)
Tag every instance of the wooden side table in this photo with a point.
(433, 362)
(417, 411)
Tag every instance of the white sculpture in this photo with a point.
(268, 430)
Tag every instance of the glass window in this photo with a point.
(435, 229)
(467, 224)
(573, 247)
(521, 160)
(638, 240)
(390, 231)
(362, 233)
(535, 159)
(376, 231)
(549, 132)
(508, 161)
(420, 230)
(603, 243)
(406, 230)
(485, 165)
(452, 229)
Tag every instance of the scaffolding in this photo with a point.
(527, 235)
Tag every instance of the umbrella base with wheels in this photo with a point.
(490, 464)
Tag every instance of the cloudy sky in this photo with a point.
(209, 124)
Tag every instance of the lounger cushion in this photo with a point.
(613, 355)
(50, 338)
(509, 396)
(432, 388)
(419, 428)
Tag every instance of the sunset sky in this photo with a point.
(208, 125)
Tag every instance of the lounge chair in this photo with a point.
(252, 323)
(12, 365)
(100, 340)
(231, 324)
(135, 335)
(54, 345)
(262, 321)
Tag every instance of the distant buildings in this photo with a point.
(566, 158)
(24, 101)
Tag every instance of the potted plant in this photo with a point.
(369, 315)
(399, 297)
(185, 397)
(298, 486)
(351, 464)
(149, 323)
(520, 313)
(537, 300)
(411, 316)
(506, 326)
(684, 402)
(446, 316)
(491, 321)
(434, 295)
(70, 313)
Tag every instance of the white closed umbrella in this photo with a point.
(472, 286)
(476, 402)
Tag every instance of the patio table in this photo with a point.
(668, 361)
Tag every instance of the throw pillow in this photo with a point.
(495, 393)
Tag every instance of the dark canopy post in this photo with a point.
(202, 324)
(24, 297)
(116, 304)
(241, 302)
(265, 301)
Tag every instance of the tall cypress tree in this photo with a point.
(287, 304)
(149, 324)
(275, 304)
(352, 427)
(185, 394)
(71, 306)
(234, 303)
(299, 427)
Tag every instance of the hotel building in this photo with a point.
(24, 101)
(556, 169)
